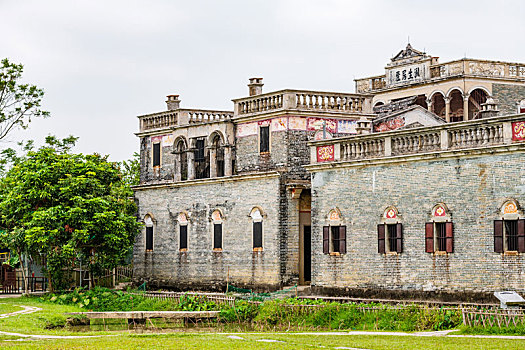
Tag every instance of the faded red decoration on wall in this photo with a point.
(325, 153)
(440, 211)
(518, 131)
(391, 124)
(317, 124)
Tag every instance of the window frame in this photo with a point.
(432, 231)
(185, 225)
(509, 212)
(334, 229)
(217, 221)
(259, 220)
(390, 218)
(149, 225)
(155, 145)
(268, 150)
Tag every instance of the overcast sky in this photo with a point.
(102, 63)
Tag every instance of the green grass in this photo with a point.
(249, 341)
(8, 307)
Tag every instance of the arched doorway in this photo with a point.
(182, 159)
(438, 104)
(456, 106)
(476, 99)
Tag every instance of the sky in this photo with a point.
(103, 63)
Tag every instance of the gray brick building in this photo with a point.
(373, 193)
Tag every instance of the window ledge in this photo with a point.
(217, 250)
(335, 254)
(391, 253)
(511, 253)
(258, 249)
(183, 250)
(149, 250)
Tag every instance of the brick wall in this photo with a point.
(472, 188)
(165, 171)
(200, 267)
(508, 96)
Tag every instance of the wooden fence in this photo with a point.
(493, 318)
(176, 296)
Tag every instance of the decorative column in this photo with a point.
(429, 105)
(213, 161)
(447, 109)
(177, 176)
(228, 171)
(190, 155)
(465, 106)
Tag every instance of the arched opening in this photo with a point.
(438, 104)
(421, 100)
(180, 151)
(456, 106)
(219, 155)
(201, 159)
(476, 99)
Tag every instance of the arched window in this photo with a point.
(183, 232)
(334, 234)
(148, 222)
(216, 218)
(390, 232)
(219, 156)
(181, 160)
(257, 229)
(509, 231)
(439, 232)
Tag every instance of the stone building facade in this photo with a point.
(373, 193)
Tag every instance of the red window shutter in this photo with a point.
(342, 239)
(326, 240)
(521, 235)
(399, 237)
(381, 239)
(429, 237)
(498, 236)
(449, 228)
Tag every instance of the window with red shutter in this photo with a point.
(326, 240)
(429, 237)
(498, 236)
(449, 227)
(342, 239)
(399, 238)
(521, 235)
(381, 239)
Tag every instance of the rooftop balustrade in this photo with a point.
(457, 136)
(301, 100)
(172, 118)
(471, 67)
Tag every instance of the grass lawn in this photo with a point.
(35, 323)
(265, 341)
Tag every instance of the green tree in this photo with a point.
(19, 103)
(130, 170)
(67, 206)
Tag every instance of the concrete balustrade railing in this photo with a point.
(448, 137)
(181, 117)
(303, 101)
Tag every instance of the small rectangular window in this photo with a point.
(511, 234)
(156, 154)
(335, 239)
(199, 152)
(149, 237)
(441, 236)
(264, 139)
(217, 236)
(257, 235)
(183, 231)
(392, 238)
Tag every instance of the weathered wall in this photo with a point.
(167, 160)
(508, 96)
(472, 188)
(200, 266)
(249, 159)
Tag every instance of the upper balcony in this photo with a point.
(463, 67)
(303, 101)
(431, 141)
(168, 119)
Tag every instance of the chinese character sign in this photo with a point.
(406, 74)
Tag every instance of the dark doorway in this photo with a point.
(307, 250)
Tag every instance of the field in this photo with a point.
(40, 324)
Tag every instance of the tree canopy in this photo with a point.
(62, 207)
(19, 103)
